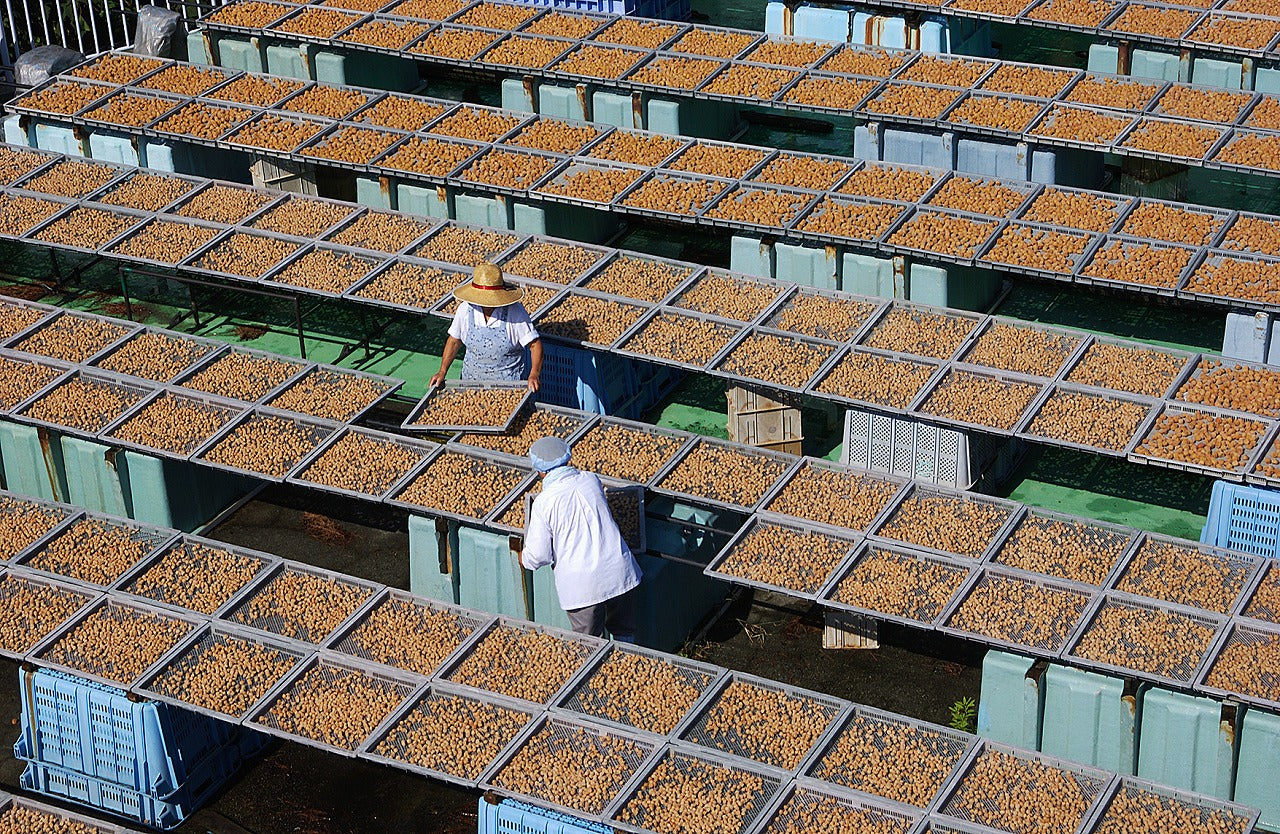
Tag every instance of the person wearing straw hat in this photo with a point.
(571, 529)
(493, 325)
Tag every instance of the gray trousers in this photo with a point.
(616, 616)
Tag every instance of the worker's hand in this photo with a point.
(533, 382)
(436, 380)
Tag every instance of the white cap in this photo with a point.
(547, 453)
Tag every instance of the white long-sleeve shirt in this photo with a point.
(571, 529)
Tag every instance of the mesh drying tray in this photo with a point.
(131, 391)
(898, 484)
(694, 765)
(497, 424)
(582, 647)
(353, 639)
(275, 659)
(276, 623)
(225, 411)
(87, 824)
(59, 515)
(1092, 783)
(1261, 686)
(16, 645)
(1117, 540)
(1076, 601)
(930, 492)
(781, 463)
(1240, 573)
(732, 743)
(1178, 674)
(116, 611)
(943, 748)
(150, 540)
(801, 805)
(697, 680)
(794, 585)
(911, 606)
(478, 461)
(393, 745)
(207, 347)
(386, 386)
(1026, 429)
(313, 433)
(1207, 807)
(330, 670)
(425, 450)
(299, 366)
(576, 742)
(184, 548)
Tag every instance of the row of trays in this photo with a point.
(384, 147)
(812, 362)
(683, 473)
(882, 225)
(1105, 21)
(637, 49)
(477, 700)
(878, 99)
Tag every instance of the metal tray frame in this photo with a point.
(445, 690)
(462, 385)
(965, 570)
(265, 578)
(716, 567)
(146, 686)
(408, 686)
(121, 587)
(321, 430)
(37, 654)
(297, 475)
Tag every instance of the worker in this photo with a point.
(571, 529)
(493, 325)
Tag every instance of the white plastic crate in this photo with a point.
(906, 447)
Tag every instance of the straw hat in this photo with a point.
(487, 289)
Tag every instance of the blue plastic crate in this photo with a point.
(512, 817)
(95, 730)
(596, 382)
(133, 805)
(1243, 518)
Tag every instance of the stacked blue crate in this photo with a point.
(1243, 518)
(89, 743)
(512, 817)
(596, 382)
